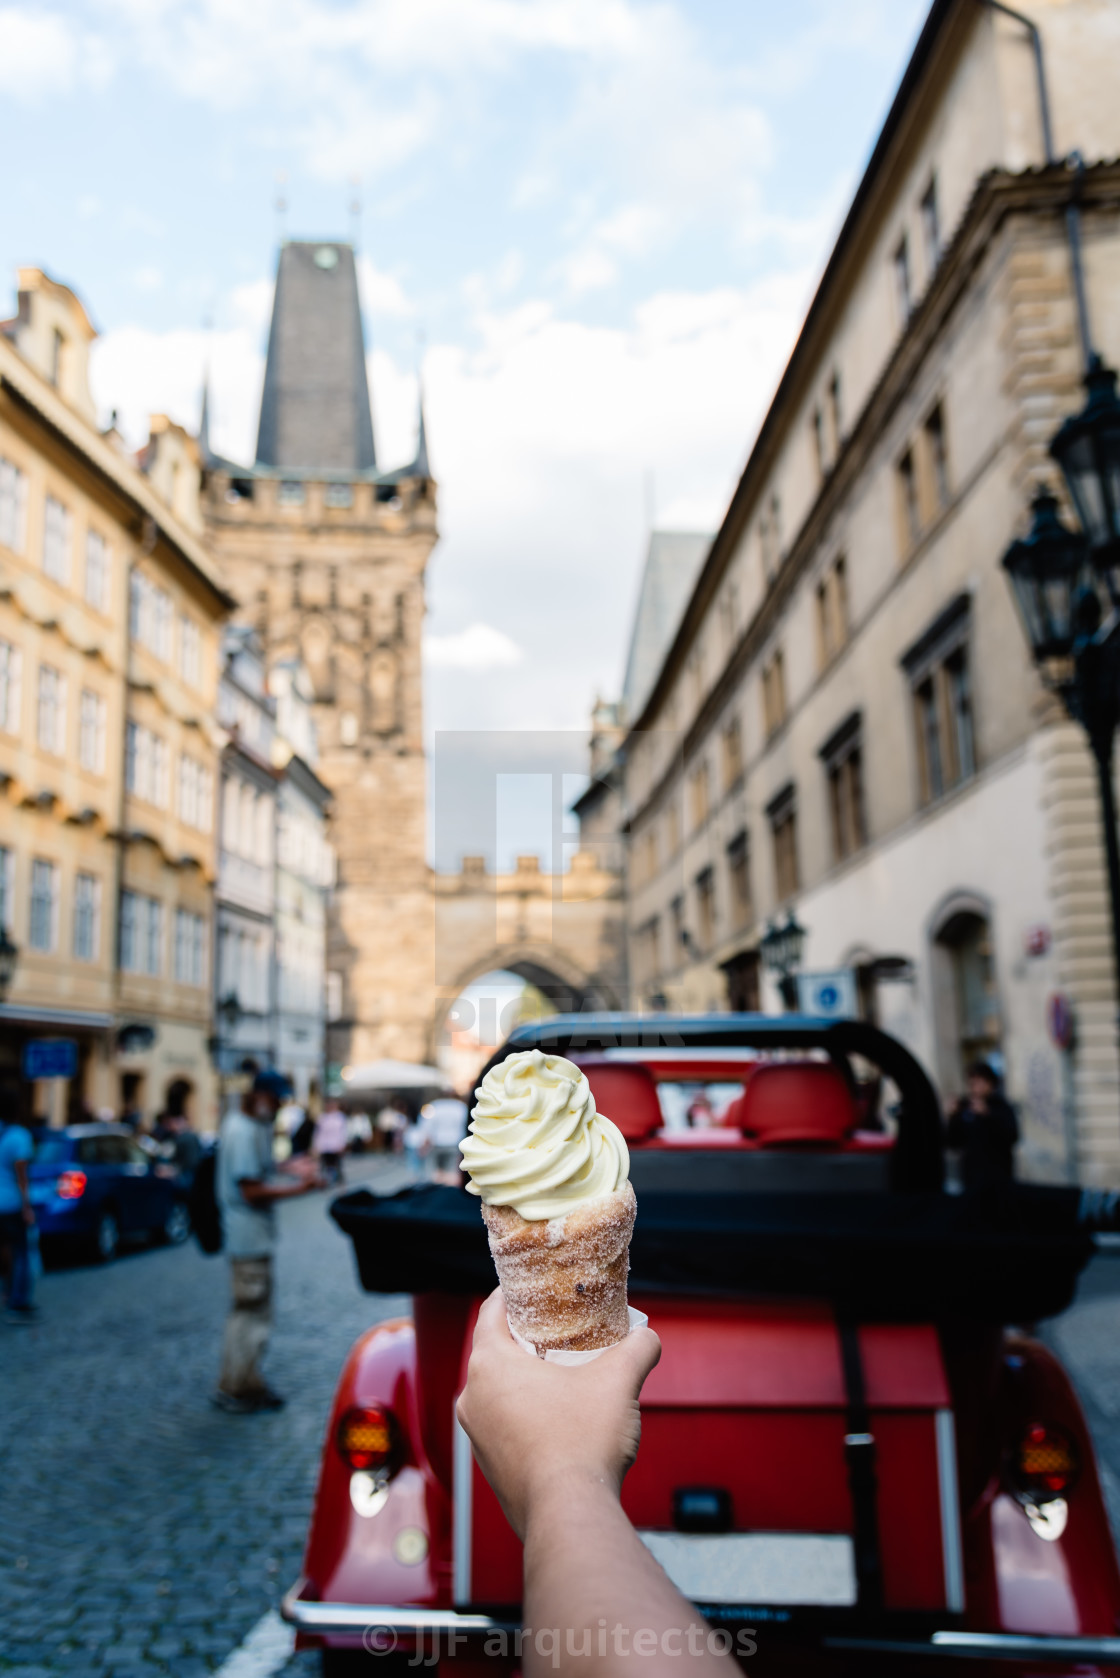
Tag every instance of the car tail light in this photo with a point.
(368, 1438)
(1045, 1463)
(71, 1185)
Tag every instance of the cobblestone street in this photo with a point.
(145, 1533)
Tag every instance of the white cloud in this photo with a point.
(38, 55)
(148, 278)
(479, 648)
(541, 435)
(381, 293)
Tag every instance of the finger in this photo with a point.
(637, 1354)
(491, 1329)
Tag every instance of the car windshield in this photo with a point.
(52, 1150)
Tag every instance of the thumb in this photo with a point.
(637, 1355)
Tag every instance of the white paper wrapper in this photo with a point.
(638, 1319)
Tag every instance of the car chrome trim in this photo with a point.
(988, 1645)
(951, 1550)
(312, 1616)
(462, 1492)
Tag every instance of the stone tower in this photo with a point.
(326, 555)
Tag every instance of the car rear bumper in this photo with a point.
(352, 1620)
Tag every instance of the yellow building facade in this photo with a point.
(109, 626)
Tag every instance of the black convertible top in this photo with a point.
(1012, 1257)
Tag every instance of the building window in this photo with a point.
(141, 933)
(782, 814)
(42, 932)
(672, 830)
(820, 449)
(7, 888)
(842, 755)
(648, 950)
(699, 795)
(770, 536)
(150, 616)
(190, 948)
(13, 506)
(903, 289)
(832, 612)
(680, 936)
(774, 693)
(58, 356)
(739, 880)
(933, 432)
(97, 571)
(91, 732)
(196, 795)
(190, 652)
(732, 742)
(931, 225)
(937, 667)
(146, 765)
(56, 541)
(52, 710)
(835, 411)
(910, 512)
(87, 917)
(706, 907)
(11, 665)
(291, 493)
(332, 996)
(338, 495)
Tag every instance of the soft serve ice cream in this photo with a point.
(536, 1142)
(553, 1177)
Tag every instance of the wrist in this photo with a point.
(561, 1493)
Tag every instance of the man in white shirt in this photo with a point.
(442, 1125)
(246, 1192)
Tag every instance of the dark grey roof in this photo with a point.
(672, 565)
(315, 412)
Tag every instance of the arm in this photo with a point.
(555, 1443)
(256, 1192)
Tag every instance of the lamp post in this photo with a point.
(9, 956)
(1067, 588)
(781, 949)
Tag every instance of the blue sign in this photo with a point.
(829, 995)
(50, 1057)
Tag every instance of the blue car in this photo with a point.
(96, 1185)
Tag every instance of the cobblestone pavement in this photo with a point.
(144, 1531)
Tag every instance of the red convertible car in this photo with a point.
(855, 1455)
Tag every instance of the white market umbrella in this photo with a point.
(392, 1075)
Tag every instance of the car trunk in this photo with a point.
(742, 1487)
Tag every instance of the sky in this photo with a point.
(595, 226)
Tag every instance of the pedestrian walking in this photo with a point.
(17, 1220)
(330, 1140)
(247, 1192)
(442, 1125)
(984, 1128)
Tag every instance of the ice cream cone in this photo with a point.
(564, 1279)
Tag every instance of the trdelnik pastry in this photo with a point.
(553, 1177)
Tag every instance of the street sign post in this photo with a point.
(50, 1057)
(831, 995)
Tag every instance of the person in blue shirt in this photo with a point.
(16, 1219)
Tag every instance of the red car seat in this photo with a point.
(799, 1104)
(628, 1095)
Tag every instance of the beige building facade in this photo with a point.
(847, 722)
(109, 615)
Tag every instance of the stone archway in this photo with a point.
(556, 975)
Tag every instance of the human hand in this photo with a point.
(535, 1425)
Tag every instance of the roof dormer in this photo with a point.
(53, 333)
(172, 464)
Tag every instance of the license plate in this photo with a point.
(796, 1569)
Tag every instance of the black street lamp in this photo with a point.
(9, 956)
(1067, 588)
(781, 948)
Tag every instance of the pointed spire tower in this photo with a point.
(315, 409)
